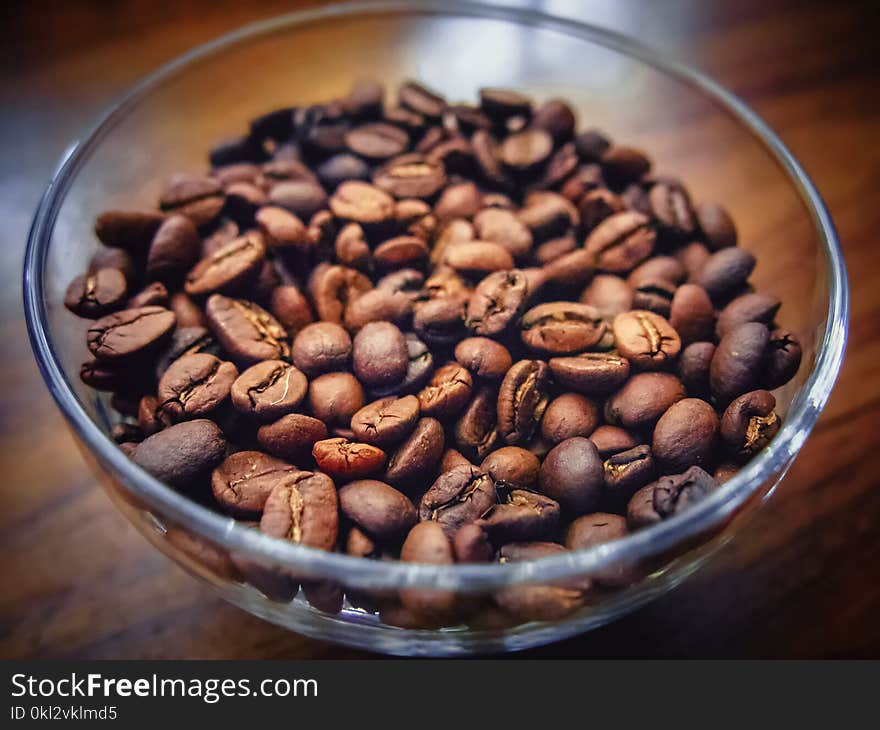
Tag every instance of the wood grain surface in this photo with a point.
(801, 580)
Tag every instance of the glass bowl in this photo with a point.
(690, 126)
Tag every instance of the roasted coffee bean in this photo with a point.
(591, 144)
(378, 509)
(268, 390)
(230, 269)
(346, 459)
(569, 415)
(782, 359)
(303, 508)
(717, 225)
(497, 302)
(365, 99)
(504, 228)
(512, 467)
(484, 358)
(522, 399)
(379, 355)
(527, 150)
(458, 497)
(185, 341)
(282, 230)
(610, 440)
(107, 257)
(351, 249)
(290, 308)
(471, 545)
(654, 296)
(753, 307)
(640, 510)
(646, 339)
(465, 119)
(194, 386)
(427, 543)
(243, 200)
(691, 314)
(96, 294)
(586, 178)
(570, 271)
(403, 281)
(555, 248)
(643, 399)
(693, 256)
(749, 423)
(477, 258)
(725, 272)
(129, 334)
(131, 230)
(562, 328)
(247, 331)
(421, 364)
(198, 198)
(173, 250)
(485, 149)
(679, 492)
(502, 104)
(609, 295)
(573, 475)
(625, 473)
(736, 364)
(447, 393)
(621, 242)
(622, 165)
(452, 458)
(186, 311)
(335, 398)
(671, 208)
(154, 294)
(333, 288)
(522, 516)
(410, 176)
(597, 529)
(658, 268)
(291, 436)
(386, 421)
(337, 169)
(148, 415)
(693, 367)
(362, 203)
(476, 431)
(401, 252)
(180, 454)
(231, 150)
(455, 154)
(303, 198)
(556, 117)
(243, 482)
(421, 100)
(418, 455)
(548, 215)
(598, 205)
(377, 140)
(685, 435)
(321, 347)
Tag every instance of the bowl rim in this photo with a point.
(361, 572)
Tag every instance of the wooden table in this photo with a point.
(802, 580)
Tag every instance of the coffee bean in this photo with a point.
(427, 543)
(194, 386)
(643, 399)
(303, 508)
(693, 367)
(504, 228)
(717, 225)
(609, 295)
(401, 252)
(671, 208)
(335, 398)
(421, 363)
(679, 492)
(379, 355)
(185, 341)
(129, 334)
(247, 331)
(154, 294)
(736, 364)
(410, 176)
(131, 230)
(346, 459)
(321, 347)
(362, 203)
(378, 509)
(485, 149)
(501, 104)
(186, 311)
(333, 288)
(198, 198)
(749, 423)
(114, 258)
(484, 358)
(268, 390)
(476, 431)
(782, 359)
(522, 400)
(556, 117)
(622, 164)
(174, 248)
(337, 169)
(655, 297)
(725, 272)
(377, 140)
(621, 242)
(685, 435)
(96, 294)
(417, 456)
(640, 510)
(512, 467)
(243, 482)
(525, 151)
(522, 516)
(693, 256)
(230, 269)
(386, 421)
(497, 302)
(421, 100)
(691, 314)
(625, 473)
(291, 436)
(548, 215)
(753, 307)
(365, 99)
(282, 230)
(646, 339)
(561, 328)
(598, 529)
(470, 544)
(555, 248)
(303, 198)
(610, 440)
(457, 497)
(573, 475)
(569, 415)
(447, 393)
(598, 205)
(180, 454)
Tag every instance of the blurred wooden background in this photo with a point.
(802, 580)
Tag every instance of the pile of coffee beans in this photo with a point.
(433, 332)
